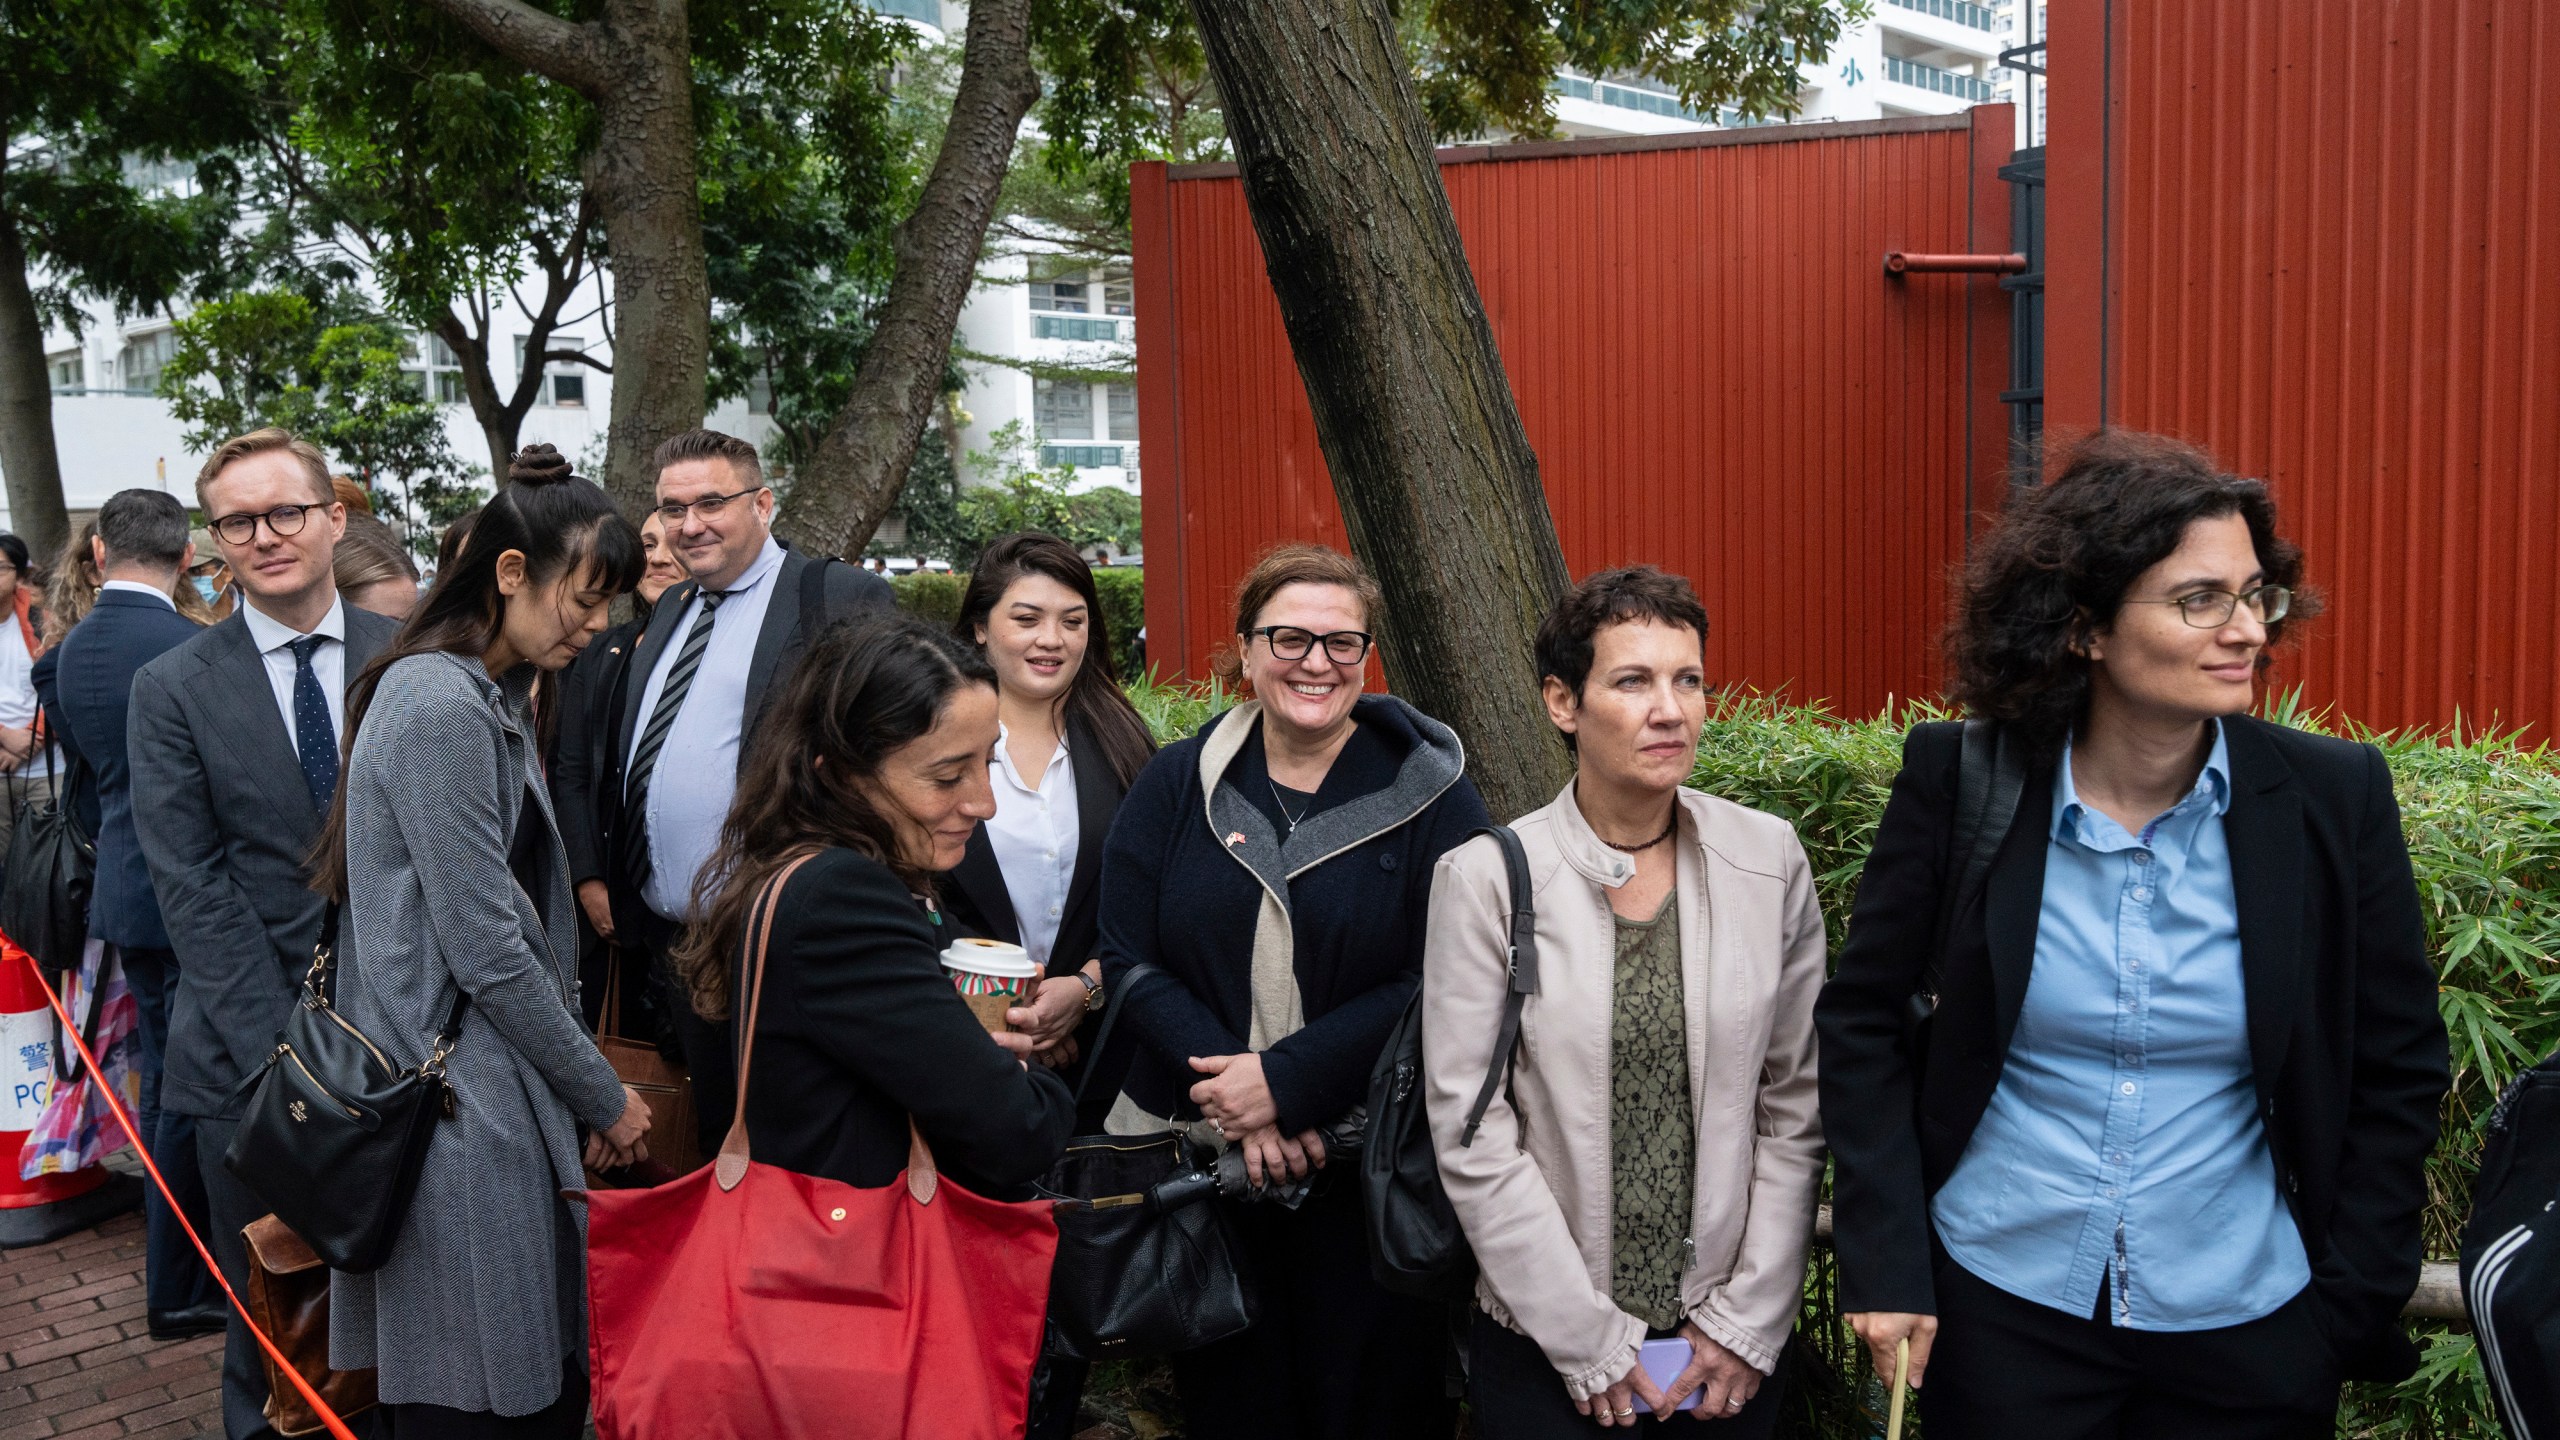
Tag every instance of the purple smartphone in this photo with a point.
(1663, 1360)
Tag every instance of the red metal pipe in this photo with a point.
(1897, 262)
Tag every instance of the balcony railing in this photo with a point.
(1077, 327)
(1930, 77)
(928, 12)
(1087, 457)
(1963, 12)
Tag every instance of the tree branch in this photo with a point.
(545, 44)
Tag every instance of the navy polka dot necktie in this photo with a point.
(313, 735)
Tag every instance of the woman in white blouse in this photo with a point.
(1069, 744)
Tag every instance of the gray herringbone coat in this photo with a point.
(483, 1294)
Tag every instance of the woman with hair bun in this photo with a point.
(442, 848)
(2157, 1169)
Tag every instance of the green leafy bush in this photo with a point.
(2482, 816)
(930, 594)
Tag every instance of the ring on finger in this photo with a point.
(1733, 1402)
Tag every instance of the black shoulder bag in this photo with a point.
(2511, 1253)
(1990, 776)
(334, 1136)
(1135, 1275)
(1416, 1246)
(53, 868)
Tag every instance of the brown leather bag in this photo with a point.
(663, 1085)
(289, 1298)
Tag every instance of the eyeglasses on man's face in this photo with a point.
(282, 521)
(1288, 642)
(709, 507)
(2213, 609)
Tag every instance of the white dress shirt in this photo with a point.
(696, 774)
(1034, 835)
(274, 640)
(18, 692)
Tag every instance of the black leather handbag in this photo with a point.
(334, 1135)
(1415, 1244)
(53, 868)
(1133, 1276)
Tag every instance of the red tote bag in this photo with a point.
(749, 1301)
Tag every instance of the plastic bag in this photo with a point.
(76, 1129)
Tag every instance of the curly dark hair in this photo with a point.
(2058, 566)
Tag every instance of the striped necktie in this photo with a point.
(653, 737)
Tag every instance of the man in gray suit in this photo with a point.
(235, 746)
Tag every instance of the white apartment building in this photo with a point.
(1913, 57)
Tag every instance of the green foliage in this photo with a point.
(1123, 591)
(932, 595)
(1175, 711)
(329, 372)
(1024, 497)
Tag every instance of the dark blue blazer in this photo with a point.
(94, 681)
(84, 797)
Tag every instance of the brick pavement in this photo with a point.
(74, 1358)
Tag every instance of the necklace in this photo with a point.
(1668, 827)
(1282, 802)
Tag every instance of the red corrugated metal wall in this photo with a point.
(1713, 366)
(2320, 240)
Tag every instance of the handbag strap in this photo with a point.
(730, 1166)
(1128, 986)
(1522, 968)
(320, 983)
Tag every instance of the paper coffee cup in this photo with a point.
(992, 977)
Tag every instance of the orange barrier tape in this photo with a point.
(337, 1428)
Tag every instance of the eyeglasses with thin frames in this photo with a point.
(708, 507)
(1342, 647)
(2213, 609)
(282, 521)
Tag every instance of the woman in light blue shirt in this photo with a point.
(2130, 1126)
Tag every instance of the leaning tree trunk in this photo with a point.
(635, 62)
(27, 454)
(1437, 482)
(850, 481)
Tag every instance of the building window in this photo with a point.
(1065, 409)
(68, 370)
(564, 382)
(1082, 457)
(438, 369)
(1064, 293)
(141, 360)
(1124, 411)
(760, 392)
(1076, 327)
(1119, 295)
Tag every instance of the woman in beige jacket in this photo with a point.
(1650, 1170)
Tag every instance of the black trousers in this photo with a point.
(563, 1419)
(174, 1277)
(1330, 1356)
(2005, 1368)
(1514, 1394)
(708, 1058)
(233, 1207)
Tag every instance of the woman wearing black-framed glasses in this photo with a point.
(2153, 1162)
(1277, 867)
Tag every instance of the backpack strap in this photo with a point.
(1990, 777)
(1523, 969)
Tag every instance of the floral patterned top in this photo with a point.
(1653, 1143)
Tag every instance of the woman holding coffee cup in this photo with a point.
(875, 763)
(1069, 743)
(1277, 867)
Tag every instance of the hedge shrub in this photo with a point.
(2482, 816)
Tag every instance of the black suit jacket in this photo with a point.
(2345, 1039)
(93, 681)
(70, 766)
(849, 591)
(975, 896)
(589, 698)
(859, 1030)
(229, 827)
